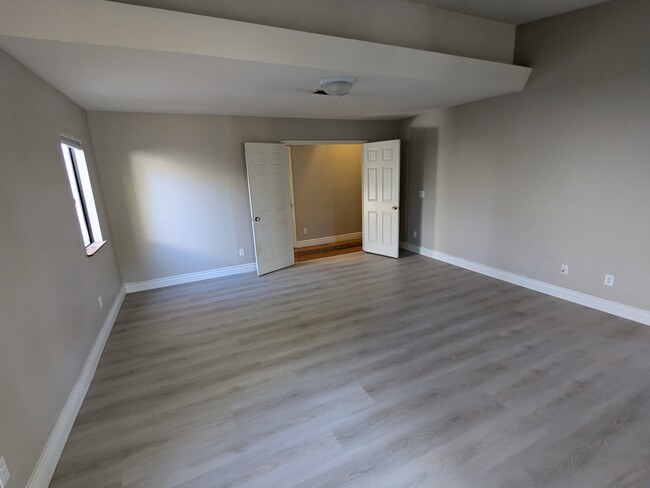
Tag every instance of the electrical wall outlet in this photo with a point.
(415, 233)
(609, 280)
(304, 231)
(422, 193)
(101, 302)
(242, 252)
(4, 473)
(564, 269)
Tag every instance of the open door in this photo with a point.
(381, 165)
(267, 167)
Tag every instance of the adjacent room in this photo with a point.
(369, 243)
(326, 199)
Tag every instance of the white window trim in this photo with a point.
(82, 193)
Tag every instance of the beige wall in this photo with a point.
(559, 173)
(327, 189)
(49, 312)
(175, 185)
(396, 22)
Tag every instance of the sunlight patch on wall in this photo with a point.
(180, 202)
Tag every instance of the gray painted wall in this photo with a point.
(396, 22)
(49, 312)
(175, 185)
(559, 173)
(327, 189)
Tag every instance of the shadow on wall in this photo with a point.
(422, 176)
(179, 208)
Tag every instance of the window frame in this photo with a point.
(82, 193)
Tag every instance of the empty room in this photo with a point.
(295, 243)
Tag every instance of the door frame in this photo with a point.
(292, 196)
(324, 142)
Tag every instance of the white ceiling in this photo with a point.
(130, 80)
(508, 11)
(116, 57)
(511, 11)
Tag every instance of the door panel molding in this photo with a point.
(267, 172)
(381, 175)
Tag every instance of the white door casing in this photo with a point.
(267, 168)
(381, 171)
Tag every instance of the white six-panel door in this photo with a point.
(267, 167)
(381, 167)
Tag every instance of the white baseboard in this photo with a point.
(44, 470)
(189, 278)
(328, 240)
(591, 301)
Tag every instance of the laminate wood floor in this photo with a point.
(310, 253)
(363, 371)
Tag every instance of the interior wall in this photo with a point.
(396, 22)
(175, 185)
(556, 174)
(49, 289)
(327, 190)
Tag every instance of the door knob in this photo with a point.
(394, 207)
(257, 219)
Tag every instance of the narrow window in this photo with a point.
(82, 194)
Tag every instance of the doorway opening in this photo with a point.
(326, 197)
(273, 218)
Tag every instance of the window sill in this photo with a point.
(94, 247)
